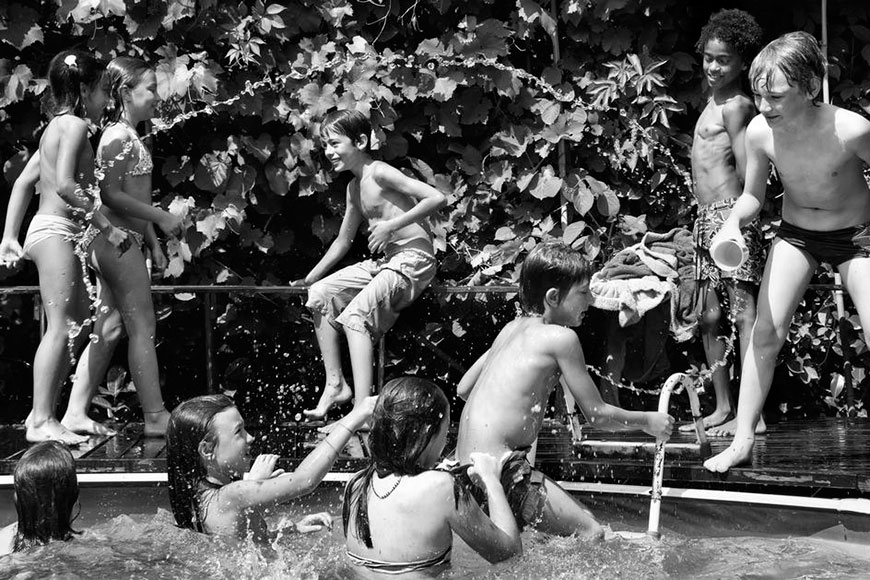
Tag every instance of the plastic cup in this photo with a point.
(729, 253)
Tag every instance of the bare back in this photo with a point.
(506, 407)
(821, 167)
(714, 168)
(64, 131)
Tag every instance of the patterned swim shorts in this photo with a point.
(709, 222)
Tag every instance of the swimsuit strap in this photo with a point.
(144, 164)
(400, 567)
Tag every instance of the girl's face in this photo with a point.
(722, 66)
(231, 454)
(141, 100)
(95, 99)
(432, 454)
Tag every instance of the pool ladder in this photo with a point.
(675, 383)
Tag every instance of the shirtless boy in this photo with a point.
(727, 43)
(508, 387)
(819, 151)
(363, 300)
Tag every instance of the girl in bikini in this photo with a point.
(65, 167)
(124, 280)
(400, 513)
(214, 488)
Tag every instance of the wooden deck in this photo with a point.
(820, 458)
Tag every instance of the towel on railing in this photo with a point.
(638, 278)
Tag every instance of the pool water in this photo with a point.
(130, 533)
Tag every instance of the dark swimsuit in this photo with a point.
(833, 247)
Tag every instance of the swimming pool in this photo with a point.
(130, 534)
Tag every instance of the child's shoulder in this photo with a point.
(7, 538)
(738, 104)
(70, 124)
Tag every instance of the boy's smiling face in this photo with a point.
(340, 150)
(722, 65)
(778, 100)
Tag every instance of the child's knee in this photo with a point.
(710, 319)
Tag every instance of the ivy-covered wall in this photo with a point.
(529, 114)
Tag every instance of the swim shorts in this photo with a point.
(522, 484)
(833, 247)
(367, 296)
(709, 222)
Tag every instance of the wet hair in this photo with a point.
(67, 71)
(736, 28)
(46, 491)
(190, 424)
(550, 265)
(799, 57)
(351, 124)
(122, 71)
(408, 414)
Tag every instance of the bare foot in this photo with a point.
(85, 425)
(156, 423)
(738, 453)
(730, 428)
(714, 419)
(331, 396)
(52, 430)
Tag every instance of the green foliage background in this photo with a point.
(525, 113)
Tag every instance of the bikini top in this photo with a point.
(144, 164)
(400, 567)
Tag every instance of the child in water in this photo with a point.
(400, 512)
(207, 453)
(46, 491)
(508, 387)
(66, 172)
(727, 44)
(363, 300)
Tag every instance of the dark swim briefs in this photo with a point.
(833, 247)
(523, 486)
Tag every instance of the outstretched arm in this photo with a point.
(22, 192)
(569, 355)
(750, 202)
(309, 474)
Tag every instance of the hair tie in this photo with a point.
(70, 60)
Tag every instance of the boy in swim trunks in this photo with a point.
(819, 151)
(507, 389)
(727, 43)
(363, 300)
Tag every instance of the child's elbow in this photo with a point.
(441, 199)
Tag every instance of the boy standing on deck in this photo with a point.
(727, 43)
(508, 387)
(363, 300)
(819, 151)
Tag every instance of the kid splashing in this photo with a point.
(400, 513)
(208, 453)
(46, 492)
(66, 172)
(124, 280)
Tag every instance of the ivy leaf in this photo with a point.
(547, 109)
(261, 148)
(504, 234)
(444, 88)
(512, 142)
(573, 231)
(319, 98)
(211, 226)
(22, 30)
(546, 184)
(212, 172)
(607, 201)
(16, 85)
